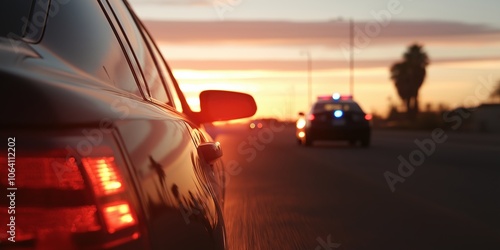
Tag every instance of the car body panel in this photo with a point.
(177, 203)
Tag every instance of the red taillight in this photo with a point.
(51, 171)
(107, 181)
(368, 117)
(49, 198)
(118, 216)
(69, 197)
(310, 117)
(103, 174)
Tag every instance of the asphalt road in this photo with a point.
(333, 196)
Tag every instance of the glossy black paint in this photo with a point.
(84, 75)
(171, 183)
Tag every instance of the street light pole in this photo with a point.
(309, 76)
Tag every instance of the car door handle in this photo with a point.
(210, 151)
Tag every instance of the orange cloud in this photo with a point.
(331, 33)
(287, 65)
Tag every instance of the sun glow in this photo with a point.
(283, 93)
(218, 74)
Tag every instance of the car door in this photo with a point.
(179, 208)
(213, 172)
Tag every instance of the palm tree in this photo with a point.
(495, 94)
(408, 76)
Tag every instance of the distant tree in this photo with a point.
(408, 76)
(495, 94)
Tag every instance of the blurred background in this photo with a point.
(286, 53)
(413, 66)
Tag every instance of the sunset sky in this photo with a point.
(261, 47)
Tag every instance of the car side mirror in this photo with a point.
(219, 105)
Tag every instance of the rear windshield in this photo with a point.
(324, 107)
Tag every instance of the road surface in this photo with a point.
(333, 196)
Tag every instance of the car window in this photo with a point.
(86, 45)
(176, 101)
(322, 107)
(142, 54)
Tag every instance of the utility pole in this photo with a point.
(351, 61)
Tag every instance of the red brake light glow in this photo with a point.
(103, 174)
(70, 195)
(368, 117)
(52, 174)
(106, 180)
(310, 117)
(49, 171)
(118, 216)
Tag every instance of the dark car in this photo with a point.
(100, 149)
(334, 118)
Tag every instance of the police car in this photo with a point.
(334, 117)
